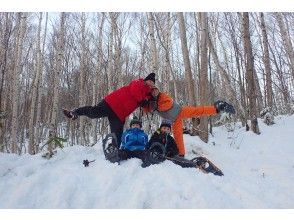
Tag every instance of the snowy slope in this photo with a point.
(259, 173)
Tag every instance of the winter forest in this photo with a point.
(51, 61)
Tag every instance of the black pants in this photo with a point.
(102, 109)
(126, 154)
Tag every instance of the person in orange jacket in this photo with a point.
(163, 105)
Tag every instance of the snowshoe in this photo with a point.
(110, 148)
(207, 166)
(155, 153)
(202, 163)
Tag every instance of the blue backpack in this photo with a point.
(134, 139)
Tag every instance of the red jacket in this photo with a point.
(126, 99)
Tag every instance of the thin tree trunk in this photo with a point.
(154, 56)
(56, 81)
(250, 74)
(286, 41)
(21, 24)
(188, 71)
(35, 90)
(97, 83)
(267, 65)
(203, 75)
(187, 64)
(40, 127)
(82, 80)
(4, 48)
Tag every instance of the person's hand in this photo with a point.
(70, 114)
(144, 103)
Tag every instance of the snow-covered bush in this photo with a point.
(268, 117)
(55, 142)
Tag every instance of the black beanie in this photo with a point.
(166, 123)
(151, 77)
(136, 120)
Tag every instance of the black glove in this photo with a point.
(144, 103)
(70, 114)
(222, 106)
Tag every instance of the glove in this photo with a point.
(222, 106)
(144, 103)
(70, 114)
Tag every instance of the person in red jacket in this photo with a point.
(118, 105)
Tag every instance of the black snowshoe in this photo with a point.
(156, 154)
(202, 163)
(110, 148)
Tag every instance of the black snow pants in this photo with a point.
(102, 109)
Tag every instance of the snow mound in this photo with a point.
(258, 173)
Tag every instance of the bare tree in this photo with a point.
(250, 74)
(56, 80)
(35, 86)
(21, 26)
(154, 55)
(188, 71)
(203, 77)
(286, 41)
(267, 64)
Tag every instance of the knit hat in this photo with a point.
(166, 123)
(136, 120)
(151, 77)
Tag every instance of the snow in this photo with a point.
(258, 173)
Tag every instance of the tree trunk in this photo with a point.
(286, 41)
(250, 74)
(56, 80)
(203, 77)
(97, 83)
(4, 48)
(154, 56)
(21, 26)
(267, 65)
(40, 125)
(35, 90)
(188, 71)
(82, 81)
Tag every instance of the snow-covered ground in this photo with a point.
(259, 173)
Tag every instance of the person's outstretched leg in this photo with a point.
(197, 111)
(100, 110)
(188, 112)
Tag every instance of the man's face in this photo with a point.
(150, 83)
(135, 126)
(165, 129)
